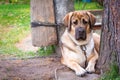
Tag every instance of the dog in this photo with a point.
(79, 45)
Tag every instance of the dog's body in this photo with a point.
(79, 44)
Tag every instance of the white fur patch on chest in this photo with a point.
(89, 47)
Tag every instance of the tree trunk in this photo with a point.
(110, 36)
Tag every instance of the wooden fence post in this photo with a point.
(42, 11)
(48, 11)
(62, 7)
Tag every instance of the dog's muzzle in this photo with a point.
(80, 33)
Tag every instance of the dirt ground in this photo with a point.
(26, 44)
(29, 69)
(42, 68)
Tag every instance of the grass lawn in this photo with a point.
(14, 26)
(87, 6)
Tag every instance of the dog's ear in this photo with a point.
(92, 19)
(67, 20)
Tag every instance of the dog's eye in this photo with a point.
(84, 21)
(75, 22)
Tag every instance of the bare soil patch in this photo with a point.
(42, 68)
(26, 44)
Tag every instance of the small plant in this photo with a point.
(113, 74)
(45, 51)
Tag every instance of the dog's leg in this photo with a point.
(76, 67)
(91, 64)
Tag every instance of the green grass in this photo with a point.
(113, 74)
(88, 6)
(14, 26)
(46, 51)
(15, 15)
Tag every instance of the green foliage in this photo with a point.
(13, 1)
(79, 5)
(45, 51)
(113, 74)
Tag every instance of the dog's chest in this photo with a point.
(78, 57)
(87, 48)
(84, 54)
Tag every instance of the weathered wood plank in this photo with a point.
(62, 7)
(43, 11)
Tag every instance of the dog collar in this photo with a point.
(83, 48)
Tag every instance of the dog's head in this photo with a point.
(79, 24)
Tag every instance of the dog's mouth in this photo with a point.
(80, 33)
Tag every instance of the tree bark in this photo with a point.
(110, 36)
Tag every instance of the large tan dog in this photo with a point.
(80, 45)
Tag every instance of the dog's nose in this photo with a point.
(81, 30)
(80, 33)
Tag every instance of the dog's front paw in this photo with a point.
(90, 69)
(81, 72)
